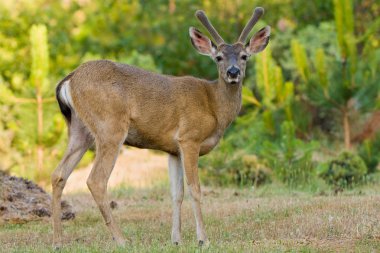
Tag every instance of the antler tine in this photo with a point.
(204, 20)
(259, 11)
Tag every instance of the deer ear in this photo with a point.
(201, 43)
(259, 41)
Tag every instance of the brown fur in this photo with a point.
(141, 103)
(114, 103)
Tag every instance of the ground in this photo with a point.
(138, 168)
(22, 200)
(269, 219)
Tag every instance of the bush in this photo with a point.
(369, 151)
(241, 169)
(346, 169)
(253, 171)
(232, 162)
(290, 158)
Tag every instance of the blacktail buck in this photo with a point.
(110, 104)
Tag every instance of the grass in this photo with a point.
(237, 220)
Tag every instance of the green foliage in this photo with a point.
(9, 156)
(290, 157)
(231, 162)
(369, 151)
(40, 56)
(38, 125)
(322, 89)
(253, 171)
(266, 77)
(274, 92)
(320, 67)
(346, 169)
(338, 88)
(344, 21)
(300, 59)
(145, 61)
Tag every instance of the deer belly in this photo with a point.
(166, 142)
(138, 139)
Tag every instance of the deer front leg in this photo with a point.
(189, 157)
(176, 188)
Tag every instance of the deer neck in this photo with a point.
(227, 101)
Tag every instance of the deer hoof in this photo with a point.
(120, 242)
(203, 244)
(57, 247)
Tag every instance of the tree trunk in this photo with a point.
(40, 124)
(172, 6)
(347, 129)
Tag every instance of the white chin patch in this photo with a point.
(233, 80)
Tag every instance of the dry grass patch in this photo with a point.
(237, 221)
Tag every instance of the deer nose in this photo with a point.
(233, 72)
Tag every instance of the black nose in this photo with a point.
(233, 72)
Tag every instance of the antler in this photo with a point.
(204, 20)
(259, 11)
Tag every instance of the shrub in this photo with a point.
(240, 169)
(253, 171)
(232, 162)
(369, 151)
(290, 158)
(346, 169)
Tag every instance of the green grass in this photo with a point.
(237, 220)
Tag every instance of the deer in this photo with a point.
(108, 104)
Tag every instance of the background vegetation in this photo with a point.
(311, 99)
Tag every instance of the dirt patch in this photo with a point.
(135, 168)
(22, 200)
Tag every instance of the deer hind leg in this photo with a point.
(79, 141)
(107, 150)
(189, 157)
(176, 187)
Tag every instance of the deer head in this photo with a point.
(230, 59)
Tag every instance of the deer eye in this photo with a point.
(244, 57)
(218, 58)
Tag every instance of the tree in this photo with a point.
(37, 124)
(342, 85)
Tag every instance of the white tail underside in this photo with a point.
(65, 94)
